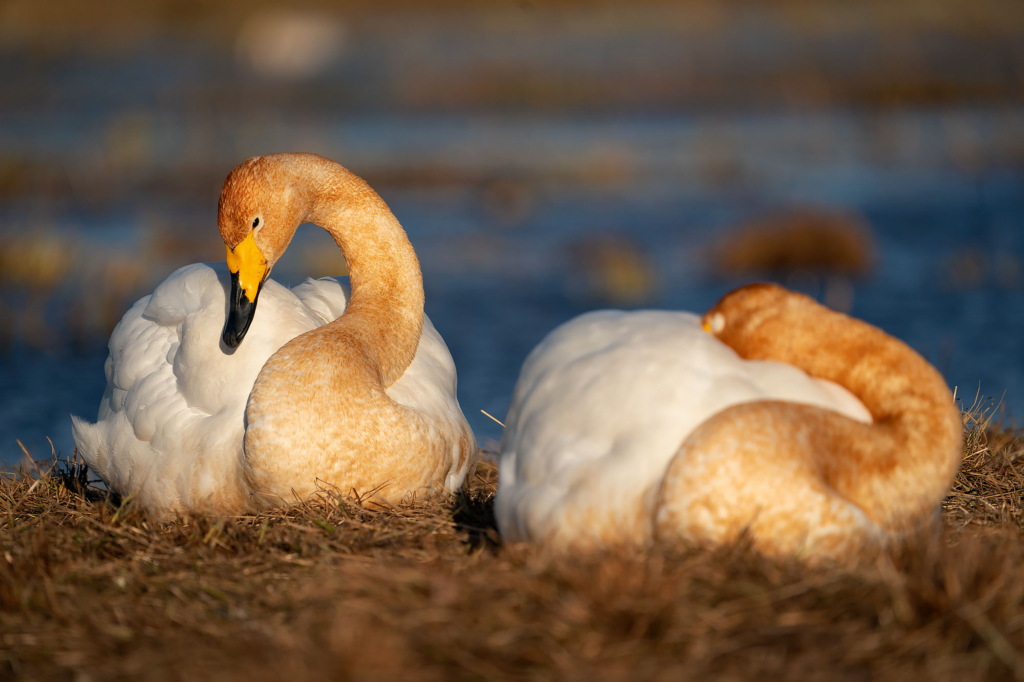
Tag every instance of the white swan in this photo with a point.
(624, 426)
(213, 406)
(601, 406)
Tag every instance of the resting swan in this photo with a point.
(630, 427)
(213, 407)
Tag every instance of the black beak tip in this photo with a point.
(240, 314)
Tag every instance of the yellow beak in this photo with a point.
(248, 271)
(247, 261)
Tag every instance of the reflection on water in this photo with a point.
(544, 163)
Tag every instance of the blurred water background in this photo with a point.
(545, 158)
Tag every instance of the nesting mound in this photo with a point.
(334, 590)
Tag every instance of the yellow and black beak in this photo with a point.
(249, 270)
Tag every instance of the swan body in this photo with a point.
(601, 406)
(188, 424)
(625, 427)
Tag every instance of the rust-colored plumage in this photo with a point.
(801, 479)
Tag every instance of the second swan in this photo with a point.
(811, 432)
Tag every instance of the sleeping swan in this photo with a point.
(627, 427)
(214, 407)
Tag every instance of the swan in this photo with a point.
(211, 406)
(813, 432)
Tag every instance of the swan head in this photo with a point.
(261, 205)
(739, 318)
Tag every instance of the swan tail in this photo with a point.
(89, 443)
(893, 471)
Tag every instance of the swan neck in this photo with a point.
(903, 462)
(893, 381)
(384, 316)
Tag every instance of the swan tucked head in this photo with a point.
(738, 318)
(261, 205)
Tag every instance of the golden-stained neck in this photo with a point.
(384, 317)
(386, 308)
(895, 468)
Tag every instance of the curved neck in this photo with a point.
(893, 381)
(900, 465)
(385, 313)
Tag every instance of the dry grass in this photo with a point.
(332, 590)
